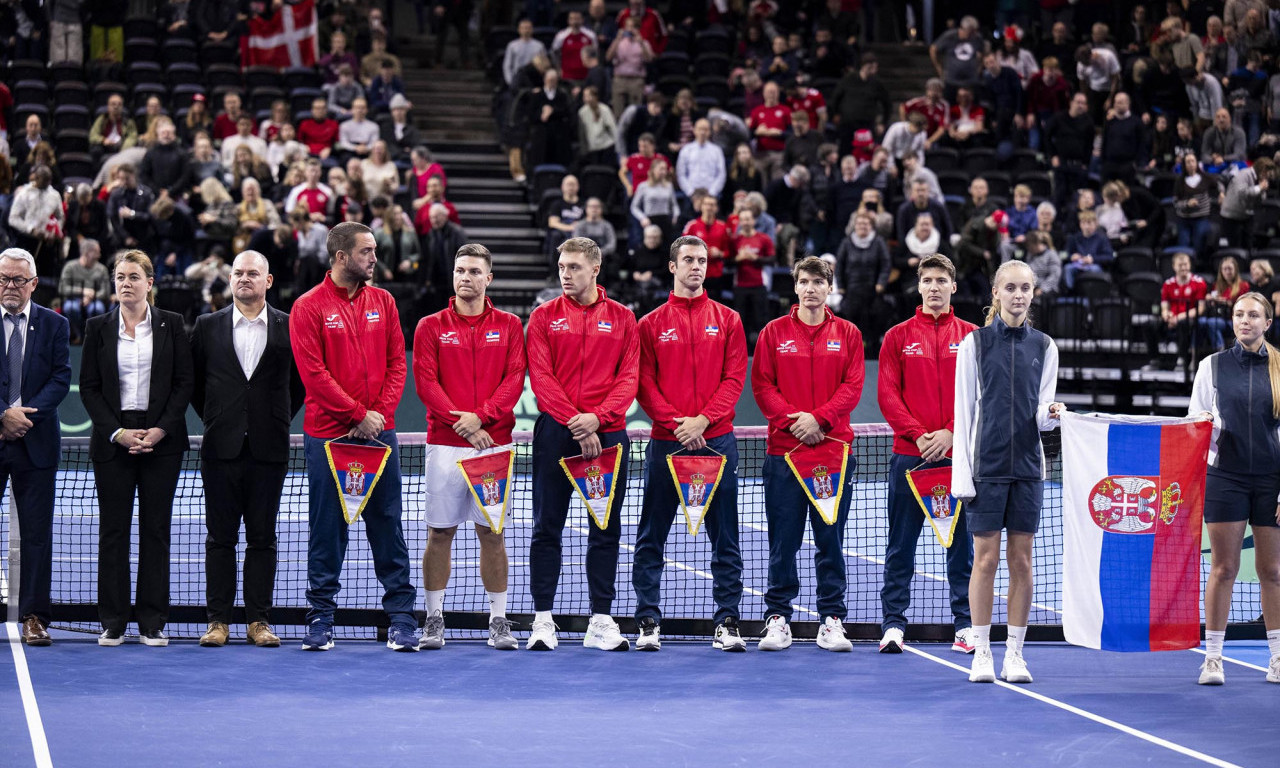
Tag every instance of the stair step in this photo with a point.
(529, 286)
(504, 210)
(506, 233)
(477, 148)
(486, 196)
(483, 131)
(471, 183)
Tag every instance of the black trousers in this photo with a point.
(753, 304)
(33, 496)
(235, 490)
(154, 478)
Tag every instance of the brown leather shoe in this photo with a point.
(260, 634)
(216, 637)
(33, 632)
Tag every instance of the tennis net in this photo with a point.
(687, 603)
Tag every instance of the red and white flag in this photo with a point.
(287, 39)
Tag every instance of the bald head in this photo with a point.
(250, 279)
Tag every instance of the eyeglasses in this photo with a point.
(16, 282)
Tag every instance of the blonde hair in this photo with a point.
(212, 191)
(1273, 354)
(144, 261)
(1008, 266)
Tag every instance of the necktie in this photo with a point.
(15, 358)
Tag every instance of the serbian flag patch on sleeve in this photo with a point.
(696, 479)
(1132, 505)
(595, 480)
(489, 478)
(820, 470)
(356, 470)
(932, 489)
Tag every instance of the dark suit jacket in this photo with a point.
(231, 405)
(399, 148)
(46, 378)
(171, 382)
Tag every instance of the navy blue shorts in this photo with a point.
(1232, 498)
(1012, 504)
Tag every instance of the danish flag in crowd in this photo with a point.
(287, 39)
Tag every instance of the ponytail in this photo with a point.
(1273, 354)
(994, 310)
(991, 312)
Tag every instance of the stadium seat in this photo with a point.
(1161, 185)
(1143, 289)
(707, 103)
(263, 77)
(955, 204)
(72, 117)
(714, 39)
(544, 177)
(1067, 318)
(670, 85)
(999, 184)
(176, 50)
(601, 181)
(1039, 181)
(713, 65)
(76, 165)
(979, 160)
(141, 49)
(1241, 254)
(212, 54)
(1094, 285)
(141, 27)
(300, 99)
(178, 297)
(180, 97)
(261, 98)
(27, 69)
(65, 71)
(144, 72)
(940, 159)
(1134, 259)
(71, 140)
(495, 42)
(30, 92)
(1266, 221)
(221, 74)
(715, 88)
(968, 309)
(183, 73)
(1272, 255)
(1025, 161)
(546, 35)
(678, 40)
(671, 63)
(144, 91)
(22, 111)
(301, 77)
(1111, 319)
(826, 86)
(954, 183)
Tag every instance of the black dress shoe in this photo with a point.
(154, 638)
(111, 638)
(33, 632)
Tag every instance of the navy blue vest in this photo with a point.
(1247, 441)
(1010, 364)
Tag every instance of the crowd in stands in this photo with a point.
(1095, 141)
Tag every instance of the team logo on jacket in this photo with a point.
(833, 345)
(372, 316)
(492, 336)
(954, 347)
(914, 349)
(333, 321)
(560, 324)
(712, 330)
(449, 337)
(787, 346)
(604, 326)
(669, 335)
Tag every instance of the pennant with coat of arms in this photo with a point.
(932, 489)
(820, 469)
(489, 479)
(595, 480)
(696, 479)
(356, 470)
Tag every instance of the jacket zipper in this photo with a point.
(1250, 417)
(1012, 405)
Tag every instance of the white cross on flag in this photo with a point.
(285, 39)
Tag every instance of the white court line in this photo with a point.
(39, 744)
(1086, 714)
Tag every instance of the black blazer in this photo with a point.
(171, 382)
(231, 405)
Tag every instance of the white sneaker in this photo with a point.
(777, 635)
(892, 641)
(650, 638)
(984, 667)
(1273, 671)
(964, 641)
(831, 636)
(543, 637)
(604, 635)
(1211, 671)
(728, 638)
(1014, 668)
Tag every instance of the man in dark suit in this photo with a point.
(34, 379)
(247, 391)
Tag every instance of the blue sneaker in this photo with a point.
(402, 637)
(319, 636)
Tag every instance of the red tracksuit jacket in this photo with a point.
(350, 355)
(693, 360)
(471, 364)
(917, 383)
(817, 369)
(584, 360)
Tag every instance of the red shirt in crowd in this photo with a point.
(422, 219)
(809, 102)
(715, 235)
(935, 114)
(569, 44)
(638, 166)
(315, 200)
(751, 273)
(318, 135)
(917, 381)
(1042, 97)
(473, 364)
(652, 28)
(223, 127)
(778, 117)
(1183, 297)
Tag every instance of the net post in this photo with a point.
(15, 561)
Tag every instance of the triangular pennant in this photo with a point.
(595, 480)
(820, 470)
(489, 478)
(696, 479)
(932, 489)
(356, 470)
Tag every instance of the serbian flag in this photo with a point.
(820, 470)
(285, 39)
(489, 478)
(696, 479)
(932, 489)
(595, 480)
(356, 470)
(1133, 501)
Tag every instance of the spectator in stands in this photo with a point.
(371, 63)
(753, 251)
(1098, 71)
(1144, 213)
(765, 222)
(112, 131)
(649, 279)
(1254, 35)
(1245, 189)
(86, 219)
(750, 87)
(635, 170)
(218, 219)
(243, 138)
(700, 164)
(967, 127)
(285, 150)
(1245, 90)
(922, 240)
(435, 196)
(400, 134)
(907, 137)
(957, 55)
(597, 131)
(912, 171)
(743, 175)
(33, 135)
(1193, 196)
(357, 190)
(252, 214)
(563, 211)
(84, 288)
(224, 124)
(312, 196)
(1088, 250)
(716, 235)
(920, 202)
(213, 277)
(173, 233)
(379, 173)
(769, 123)
(984, 246)
(1223, 143)
(637, 120)
(862, 272)
(654, 203)
(440, 242)
(1069, 144)
(43, 154)
(1021, 218)
(385, 87)
(204, 164)
(1262, 277)
(593, 225)
(861, 100)
(164, 168)
(423, 168)
(781, 64)
(1227, 287)
(1204, 94)
(678, 129)
(399, 249)
(802, 98)
(197, 120)
(872, 202)
(550, 114)
(1111, 215)
(793, 207)
(803, 143)
(598, 77)
(1015, 57)
(978, 203)
(1135, 34)
(1002, 88)
(312, 259)
(1188, 52)
(331, 63)
(1181, 308)
(878, 173)
(652, 28)
(38, 221)
(129, 211)
(604, 25)
(1045, 263)
(456, 14)
(1047, 224)
(933, 107)
(269, 128)
(357, 135)
(1123, 142)
(567, 46)
(521, 51)
(344, 93)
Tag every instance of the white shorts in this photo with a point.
(449, 502)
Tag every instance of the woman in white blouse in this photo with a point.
(381, 176)
(136, 381)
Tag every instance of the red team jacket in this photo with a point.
(471, 364)
(584, 360)
(693, 360)
(917, 383)
(817, 369)
(350, 356)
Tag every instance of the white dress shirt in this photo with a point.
(134, 364)
(249, 337)
(24, 316)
